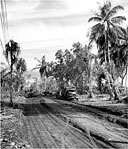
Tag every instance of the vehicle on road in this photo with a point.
(30, 93)
(67, 93)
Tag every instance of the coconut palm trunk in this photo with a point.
(19, 84)
(45, 85)
(126, 80)
(90, 79)
(107, 56)
(114, 93)
(11, 90)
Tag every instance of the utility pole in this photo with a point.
(4, 23)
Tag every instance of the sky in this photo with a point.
(42, 27)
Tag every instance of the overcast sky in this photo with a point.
(45, 26)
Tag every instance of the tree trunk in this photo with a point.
(126, 80)
(91, 95)
(110, 87)
(100, 87)
(45, 84)
(113, 90)
(122, 80)
(18, 84)
(11, 102)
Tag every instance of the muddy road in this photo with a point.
(47, 129)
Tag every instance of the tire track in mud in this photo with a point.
(95, 142)
(111, 119)
(46, 130)
(102, 138)
(43, 135)
(33, 139)
(59, 124)
(45, 126)
(36, 134)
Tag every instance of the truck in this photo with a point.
(67, 93)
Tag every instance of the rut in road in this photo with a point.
(101, 132)
(48, 131)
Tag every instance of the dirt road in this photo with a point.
(47, 130)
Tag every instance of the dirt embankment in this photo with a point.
(13, 133)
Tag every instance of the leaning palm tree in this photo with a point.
(106, 31)
(11, 54)
(43, 68)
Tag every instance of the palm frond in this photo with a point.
(97, 19)
(35, 68)
(11, 52)
(4, 70)
(38, 65)
(6, 53)
(42, 71)
(3, 64)
(127, 29)
(114, 10)
(37, 60)
(105, 9)
(118, 29)
(118, 19)
(96, 32)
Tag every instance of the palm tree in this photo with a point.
(83, 62)
(119, 55)
(125, 51)
(43, 68)
(106, 31)
(11, 54)
(21, 66)
(20, 69)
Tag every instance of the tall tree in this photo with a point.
(82, 63)
(105, 32)
(43, 68)
(123, 55)
(107, 29)
(91, 57)
(20, 69)
(21, 66)
(12, 50)
(59, 70)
